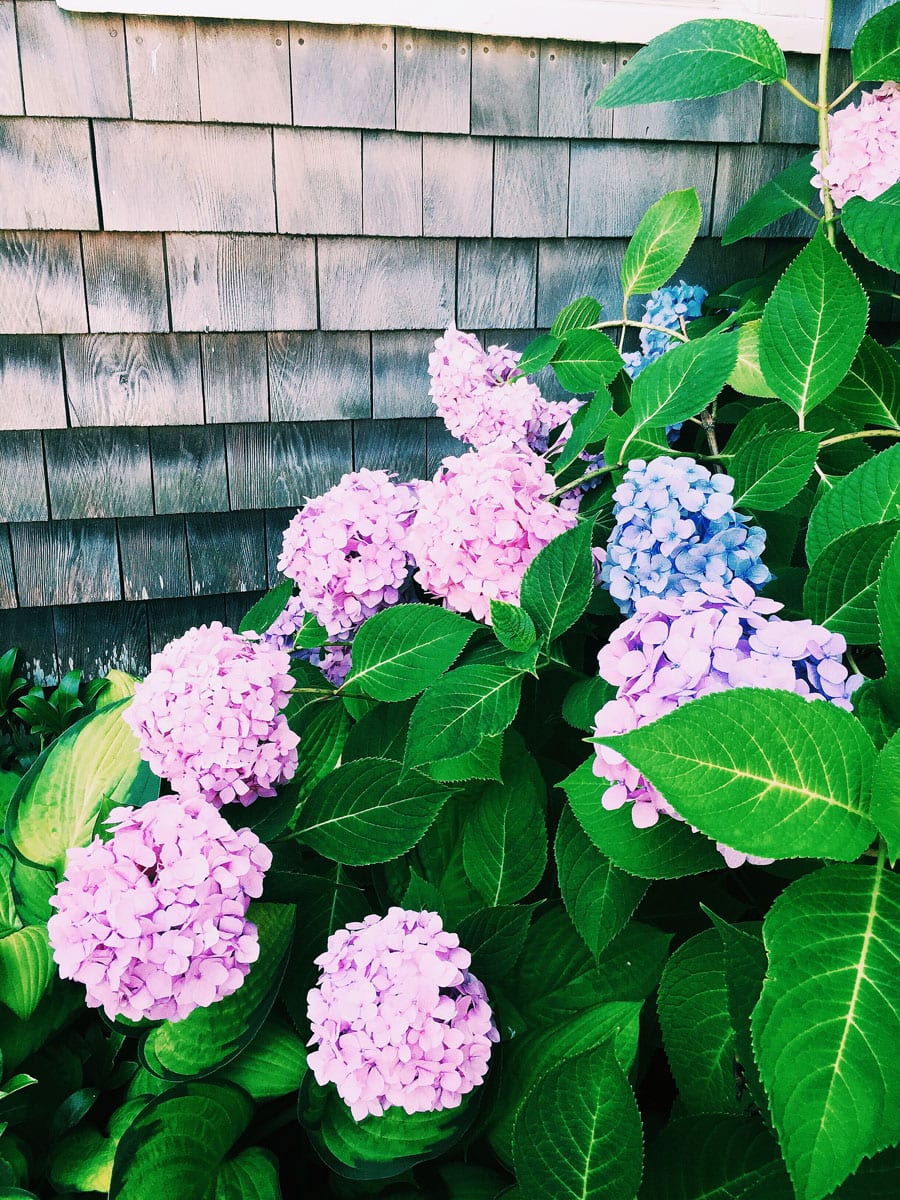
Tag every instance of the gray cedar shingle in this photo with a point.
(162, 68)
(505, 74)
(153, 552)
(573, 75)
(530, 187)
(400, 378)
(744, 169)
(94, 638)
(395, 446)
(277, 520)
(7, 574)
(125, 282)
(169, 619)
(273, 466)
(245, 71)
(235, 377)
(31, 383)
(318, 177)
(319, 376)
(359, 59)
(185, 177)
(573, 267)
(30, 630)
(392, 184)
(227, 552)
(41, 283)
(497, 283)
(612, 184)
(439, 443)
(458, 181)
(48, 175)
(712, 265)
(65, 562)
(784, 119)
(189, 469)
(134, 379)
(247, 282)
(23, 490)
(382, 283)
(433, 81)
(10, 79)
(237, 607)
(849, 19)
(98, 473)
(73, 65)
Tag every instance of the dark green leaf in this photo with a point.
(512, 625)
(464, 706)
(770, 470)
(840, 589)
(495, 937)
(380, 733)
(586, 361)
(400, 651)
(745, 969)
(785, 193)
(323, 730)
(877, 704)
(251, 1175)
(869, 393)
(661, 241)
(885, 808)
(557, 585)
(580, 314)
(481, 763)
(268, 609)
(873, 226)
(713, 1158)
(866, 496)
(588, 425)
(875, 53)
(888, 612)
(584, 700)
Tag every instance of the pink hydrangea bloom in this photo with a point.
(347, 550)
(864, 151)
(153, 921)
(397, 1019)
(208, 716)
(480, 522)
(718, 637)
(470, 391)
(332, 659)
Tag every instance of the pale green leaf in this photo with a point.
(580, 314)
(465, 705)
(771, 469)
(888, 612)
(26, 969)
(873, 226)
(785, 193)
(840, 589)
(866, 496)
(537, 354)
(272, 1065)
(661, 241)
(400, 651)
(875, 53)
(747, 376)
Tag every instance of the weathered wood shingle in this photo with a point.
(98, 473)
(530, 187)
(380, 283)
(272, 466)
(458, 183)
(31, 383)
(400, 375)
(227, 552)
(245, 71)
(125, 282)
(397, 447)
(153, 551)
(23, 490)
(572, 77)
(392, 184)
(94, 638)
(8, 598)
(11, 103)
(433, 81)
(744, 169)
(65, 562)
(235, 377)
(573, 267)
(497, 283)
(73, 64)
(48, 175)
(319, 376)
(162, 68)
(134, 379)
(41, 283)
(364, 97)
(189, 469)
(318, 177)
(505, 76)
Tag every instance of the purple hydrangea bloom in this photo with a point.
(333, 659)
(208, 716)
(708, 640)
(154, 921)
(676, 530)
(864, 151)
(669, 307)
(397, 1019)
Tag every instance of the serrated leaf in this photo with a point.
(512, 626)
(26, 969)
(465, 705)
(873, 226)
(712, 1158)
(559, 580)
(659, 245)
(885, 808)
(877, 704)
(869, 394)
(696, 59)
(584, 700)
(770, 470)
(481, 763)
(788, 191)
(888, 612)
(401, 650)
(745, 970)
(381, 733)
(762, 771)
(827, 1024)
(875, 53)
(537, 354)
(580, 314)
(588, 425)
(841, 587)
(586, 361)
(866, 496)
(268, 609)
(747, 376)
(505, 842)
(310, 634)
(495, 937)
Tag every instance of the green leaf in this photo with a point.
(579, 1134)
(877, 704)
(765, 772)
(812, 327)
(875, 53)
(885, 796)
(495, 937)
(588, 425)
(268, 609)
(512, 626)
(586, 361)
(559, 580)
(211, 1037)
(785, 193)
(840, 589)
(26, 969)
(747, 376)
(580, 314)
(363, 812)
(888, 611)
(324, 729)
(481, 763)
(873, 226)
(251, 1175)
(272, 1065)
(599, 898)
(310, 634)
(869, 393)
(712, 1158)
(9, 917)
(827, 1026)
(537, 354)
(745, 970)
(400, 651)
(770, 470)
(584, 700)
(380, 733)
(465, 705)
(866, 496)
(661, 241)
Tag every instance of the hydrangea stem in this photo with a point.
(561, 491)
(640, 325)
(789, 87)
(822, 109)
(861, 433)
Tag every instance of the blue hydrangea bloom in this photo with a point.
(666, 306)
(675, 530)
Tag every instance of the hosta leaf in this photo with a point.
(400, 651)
(454, 714)
(661, 241)
(866, 496)
(557, 585)
(26, 969)
(770, 470)
(875, 53)
(785, 193)
(696, 59)
(886, 795)
(580, 314)
(251, 1175)
(888, 611)
(764, 771)
(586, 360)
(512, 626)
(268, 609)
(873, 226)
(272, 1065)
(869, 393)
(712, 1158)
(812, 326)
(840, 589)
(827, 1024)
(9, 918)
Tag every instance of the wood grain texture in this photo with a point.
(277, 465)
(433, 81)
(784, 119)
(185, 177)
(31, 383)
(189, 469)
(277, 520)
(396, 446)
(505, 76)
(41, 283)
(10, 79)
(400, 379)
(98, 473)
(73, 65)
(318, 177)
(65, 562)
(23, 488)
(458, 183)
(235, 377)
(530, 187)
(97, 638)
(361, 57)
(319, 376)
(8, 598)
(497, 283)
(382, 283)
(125, 282)
(162, 68)
(245, 71)
(573, 267)
(241, 283)
(48, 175)
(237, 607)
(439, 443)
(168, 619)
(31, 631)
(134, 379)
(392, 184)
(573, 74)
(227, 552)
(153, 553)
(744, 169)
(713, 266)
(849, 18)
(612, 184)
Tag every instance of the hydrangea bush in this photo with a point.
(535, 837)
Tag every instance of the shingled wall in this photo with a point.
(229, 246)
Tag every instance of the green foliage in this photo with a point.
(586, 360)
(885, 808)
(869, 394)
(872, 227)
(788, 191)
(400, 651)
(840, 590)
(661, 241)
(557, 585)
(875, 53)
(713, 1158)
(512, 625)
(866, 496)
(770, 470)
(464, 706)
(268, 609)
(26, 969)
(580, 314)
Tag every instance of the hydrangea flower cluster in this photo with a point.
(208, 716)
(864, 154)
(470, 389)
(479, 523)
(668, 307)
(397, 1019)
(675, 530)
(154, 921)
(709, 640)
(347, 549)
(333, 659)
